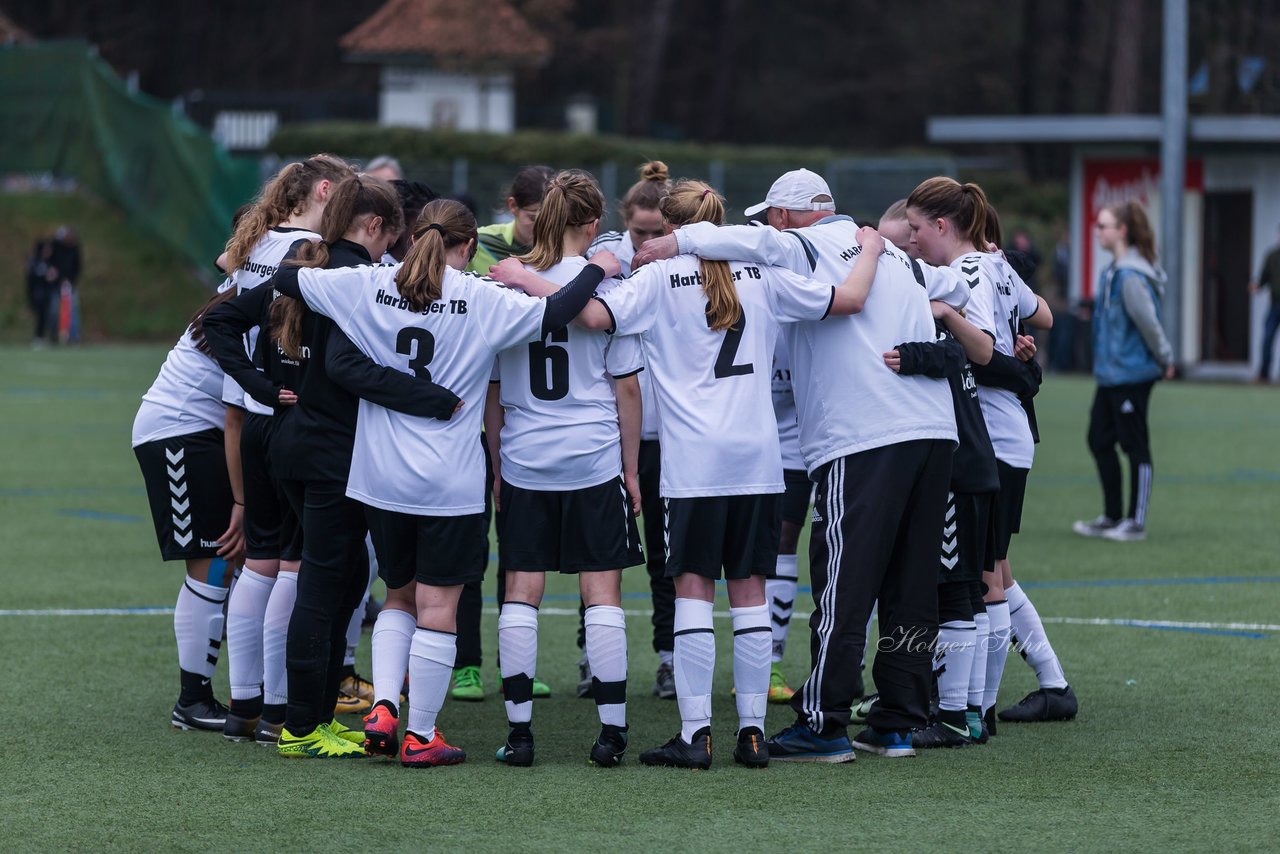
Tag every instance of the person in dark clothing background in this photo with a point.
(38, 289)
(54, 262)
(1269, 278)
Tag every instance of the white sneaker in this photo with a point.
(1095, 527)
(1125, 531)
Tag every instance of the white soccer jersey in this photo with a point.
(847, 399)
(412, 464)
(560, 430)
(1011, 302)
(713, 388)
(619, 243)
(263, 261)
(185, 398)
(784, 407)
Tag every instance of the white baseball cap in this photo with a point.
(799, 190)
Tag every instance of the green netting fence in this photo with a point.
(64, 111)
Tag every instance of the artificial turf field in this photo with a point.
(1175, 746)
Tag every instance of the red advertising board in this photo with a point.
(1110, 181)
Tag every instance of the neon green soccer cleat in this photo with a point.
(320, 743)
(344, 732)
(467, 685)
(779, 690)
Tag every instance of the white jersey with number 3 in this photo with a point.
(560, 430)
(407, 463)
(713, 388)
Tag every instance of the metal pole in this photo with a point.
(1173, 165)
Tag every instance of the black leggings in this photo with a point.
(1119, 415)
(331, 583)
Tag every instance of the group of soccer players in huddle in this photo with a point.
(378, 377)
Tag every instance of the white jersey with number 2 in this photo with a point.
(713, 389)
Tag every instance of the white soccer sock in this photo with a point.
(751, 652)
(780, 595)
(978, 673)
(667, 657)
(197, 626)
(518, 658)
(246, 607)
(953, 663)
(606, 649)
(431, 658)
(275, 637)
(695, 664)
(1033, 643)
(392, 638)
(997, 650)
(356, 623)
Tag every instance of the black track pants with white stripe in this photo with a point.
(875, 537)
(1119, 416)
(331, 583)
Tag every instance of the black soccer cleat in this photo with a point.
(940, 734)
(207, 714)
(518, 751)
(989, 721)
(1044, 704)
(237, 728)
(610, 745)
(751, 749)
(676, 753)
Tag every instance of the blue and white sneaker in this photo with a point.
(798, 743)
(893, 744)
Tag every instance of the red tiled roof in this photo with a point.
(449, 30)
(11, 32)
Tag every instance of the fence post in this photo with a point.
(715, 176)
(460, 175)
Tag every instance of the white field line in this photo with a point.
(724, 615)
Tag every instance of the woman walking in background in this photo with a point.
(1130, 352)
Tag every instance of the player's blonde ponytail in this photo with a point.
(442, 225)
(572, 200)
(694, 201)
(355, 199)
(284, 196)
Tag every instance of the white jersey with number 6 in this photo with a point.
(714, 388)
(412, 464)
(560, 430)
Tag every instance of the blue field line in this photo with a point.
(63, 491)
(60, 393)
(99, 515)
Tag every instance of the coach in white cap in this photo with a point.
(879, 447)
(799, 190)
